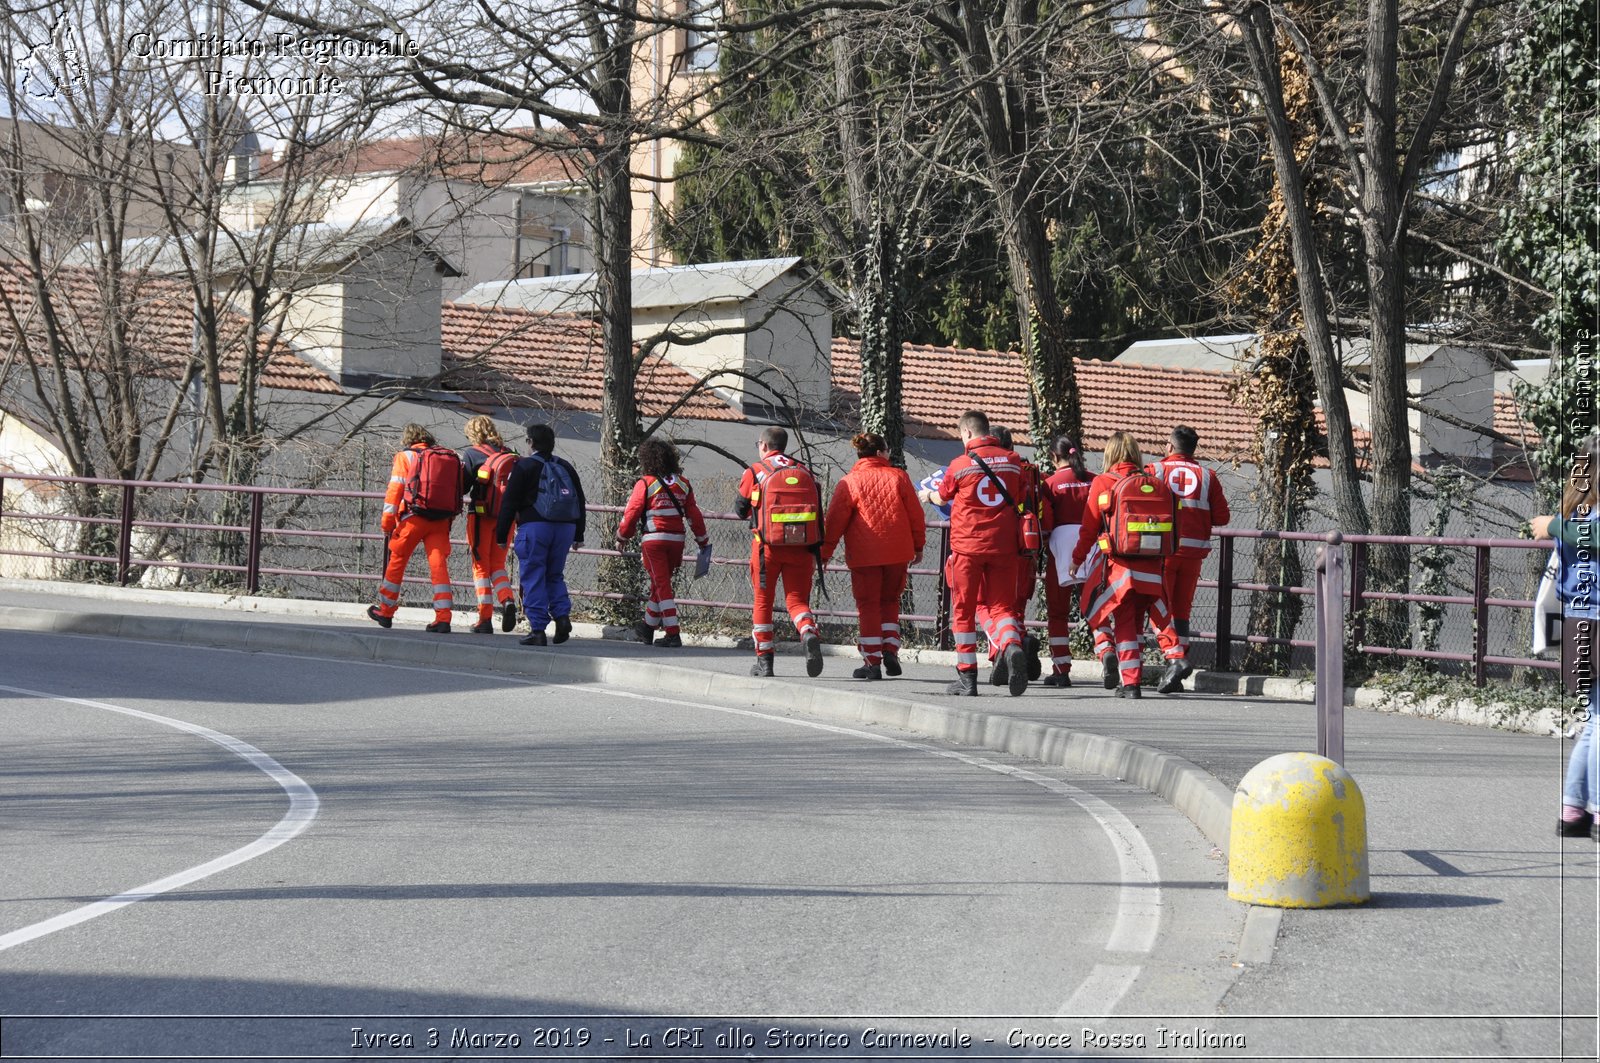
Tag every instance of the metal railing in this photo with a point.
(258, 534)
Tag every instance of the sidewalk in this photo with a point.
(1479, 912)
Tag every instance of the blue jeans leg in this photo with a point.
(1582, 789)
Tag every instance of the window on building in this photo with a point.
(699, 41)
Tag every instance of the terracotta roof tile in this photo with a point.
(489, 160)
(162, 323)
(553, 361)
(940, 383)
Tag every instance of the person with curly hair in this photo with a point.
(487, 467)
(876, 513)
(663, 508)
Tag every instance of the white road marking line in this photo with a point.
(303, 805)
(1138, 918)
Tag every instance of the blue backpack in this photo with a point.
(557, 500)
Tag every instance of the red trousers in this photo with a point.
(986, 622)
(989, 580)
(434, 537)
(1181, 576)
(795, 566)
(1058, 620)
(661, 559)
(877, 590)
(1127, 626)
(488, 565)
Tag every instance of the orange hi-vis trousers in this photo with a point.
(489, 577)
(795, 566)
(434, 537)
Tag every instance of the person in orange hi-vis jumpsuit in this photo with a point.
(664, 501)
(983, 486)
(406, 531)
(1120, 591)
(1201, 507)
(489, 577)
(794, 565)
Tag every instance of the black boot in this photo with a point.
(762, 669)
(965, 686)
(563, 630)
(813, 647)
(1109, 672)
(1017, 669)
(645, 632)
(1128, 692)
(1172, 679)
(1058, 679)
(508, 616)
(382, 621)
(891, 664)
(535, 638)
(671, 642)
(1000, 674)
(1030, 650)
(439, 627)
(867, 671)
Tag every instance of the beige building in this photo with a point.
(498, 207)
(672, 73)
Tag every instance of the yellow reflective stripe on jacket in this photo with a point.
(793, 518)
(1150, 525)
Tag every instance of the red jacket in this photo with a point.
(658, 502)
(1201, 505)
(980, 520)
(876, 512)
(1066, 495)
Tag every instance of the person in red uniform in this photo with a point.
(875, 511)
(983, 486)
(1066, 490)
(406, 531)
(1032, 498)
(795, 566)
(1201, 507)
(488, 560)
(1121, 591)
(663, 500)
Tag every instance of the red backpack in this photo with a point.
(434, 490)
(788, 511)
(493, 475)
(1140, 519)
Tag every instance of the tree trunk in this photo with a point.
(1383, 232)
(620, 430)
(877, 255)
(1349, 504)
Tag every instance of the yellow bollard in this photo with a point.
(1299, 835)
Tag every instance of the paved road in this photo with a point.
(463, 843)
(1480, 941)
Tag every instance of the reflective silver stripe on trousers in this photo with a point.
(1202, 544)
